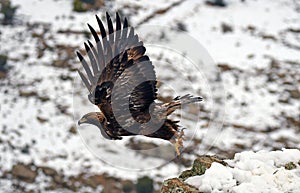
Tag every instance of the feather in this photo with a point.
(111, 38)
(95, 55)
(109, 24)
(92, 59)
(118, 35)
(99, 48)
(86, 67)
(118, 22)
(101, 26)
(94, 33)
(85, 80)
(125, 23)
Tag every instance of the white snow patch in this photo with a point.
(252, 172)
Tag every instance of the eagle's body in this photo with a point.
(122, 83)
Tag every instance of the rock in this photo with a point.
(2, 75)
(226, 28)
(290, 166)
(224, 67)
(48, 171)
(61, 63)
(251, 28)
(41, 119)
(294, 30)
(28, 93)
(250, 56)
(165, 151)
(217, 3)
(268, 37)
(44, 98)
(57, 178)
(73, 130)
(240, 176)
(200, 165)
(181, 27)
(128, 186)
(274, 64)
(175, 185)
(25, 149)
(140, 145)
(24, 173)
(94, 181)
(295, 94)
(24, 93)
(65, 77)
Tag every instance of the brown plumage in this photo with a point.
(121, 81)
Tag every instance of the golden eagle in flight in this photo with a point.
(121, 81)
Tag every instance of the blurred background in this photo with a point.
(255, 46)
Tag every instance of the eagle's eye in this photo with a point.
(101, 118)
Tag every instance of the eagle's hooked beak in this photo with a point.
(88, 118)
(82, 120)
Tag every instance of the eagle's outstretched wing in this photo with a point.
(120, 78)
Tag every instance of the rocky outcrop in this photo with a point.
(175, 185)
(200, 165)
(246, 172)
(24, 172)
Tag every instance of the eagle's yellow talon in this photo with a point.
(177, 148)
(178, 142)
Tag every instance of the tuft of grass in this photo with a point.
(8, 11)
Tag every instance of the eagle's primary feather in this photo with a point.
(121, 81)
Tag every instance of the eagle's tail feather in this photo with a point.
(180, 101)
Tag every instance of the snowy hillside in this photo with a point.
(242, 58)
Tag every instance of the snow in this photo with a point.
(252, 172)
(240, 112)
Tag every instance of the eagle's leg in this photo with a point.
(172, 132)
(177, 141)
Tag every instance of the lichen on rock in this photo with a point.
(176, 185)
(200, 165)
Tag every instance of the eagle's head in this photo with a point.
(95, 118)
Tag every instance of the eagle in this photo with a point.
(122, 83)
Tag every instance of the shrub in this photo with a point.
(144, 185)
(3, 66)
(89, 1)
(8, 12)
(3, 61)
(85, 5)
(78, 6)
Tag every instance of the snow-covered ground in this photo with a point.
(247, 68)
(275, 171)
